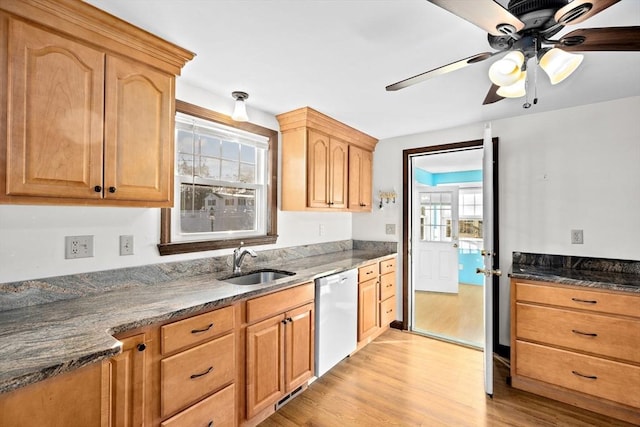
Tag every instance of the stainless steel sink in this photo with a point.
(257, 277)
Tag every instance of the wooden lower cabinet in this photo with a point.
(577, 345)
(367, 308)
(212, 411)
(74, 399)
(129, 383)
(279, 349)
(376, 299)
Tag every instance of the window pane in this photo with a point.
(229, 171)
(210, 168)
(247, 173)
(207, 209)
(185, 142)
(209, 146)
(184, 165)
(230, 150)
(247, 154)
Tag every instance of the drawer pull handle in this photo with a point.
(369, 272)
(590, 377)
(586, 301)
(194, 376)
(389, 311)
(199, 331)
(589, 334)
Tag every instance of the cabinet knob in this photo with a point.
(142, 347)
(210, 424)
(97, 189)
(112, 189)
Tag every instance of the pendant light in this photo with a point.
(558, 64)
(240, 109)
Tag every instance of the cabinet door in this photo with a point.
(55, 105)
(299, 343)
(338, 173)
(79, 398)
(138, 132)
(318, 170)
(367, 308)
(128, 383)
(265, 364)
(360, 175)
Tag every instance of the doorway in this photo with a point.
(446, 244)
(443, 241)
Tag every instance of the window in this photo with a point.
(225, 184)
(470, 207)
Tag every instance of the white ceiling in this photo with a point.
(338, 56)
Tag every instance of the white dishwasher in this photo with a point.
(336, 319)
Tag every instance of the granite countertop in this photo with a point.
(611, 280)
(44, 340)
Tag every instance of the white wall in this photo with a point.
(32, 237)
(570, 169)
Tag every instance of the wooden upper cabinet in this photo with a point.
(318, 170)
(360, 179)
(89, 106)
(56, 108)
(138, 132)
(316, 163)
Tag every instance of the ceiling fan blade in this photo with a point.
(601, 39)
(492, 95)
(486, 14)
(440, 70)
(580, 10)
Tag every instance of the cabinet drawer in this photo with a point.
(607, 379)
(279, 302)
(387, 265)
(194, 373)
(580, 298)
(217, 410)
(367, 272)
(387, 311)
(196, 329)
(595, 333)
(387, 286)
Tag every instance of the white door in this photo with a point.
(434, 244)
(488, 257)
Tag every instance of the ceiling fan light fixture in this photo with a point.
(516, 90)
(559, 64)
(240, 109)
(508, 70)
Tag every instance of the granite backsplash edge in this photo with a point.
(40, 291)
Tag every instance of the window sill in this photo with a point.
(210, 245)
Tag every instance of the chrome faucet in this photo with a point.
(238, 256)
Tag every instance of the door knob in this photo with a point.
(488, 272)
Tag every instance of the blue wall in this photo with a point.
(433, 179)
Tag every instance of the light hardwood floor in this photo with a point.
(403, 379)
(455, 316)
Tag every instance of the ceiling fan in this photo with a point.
(524, 31)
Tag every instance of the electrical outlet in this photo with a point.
(78, 247)
(126, 245)
(390, 229)
(577, 237)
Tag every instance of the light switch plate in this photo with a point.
(577, 237)
(390, 229)
(126, 245)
